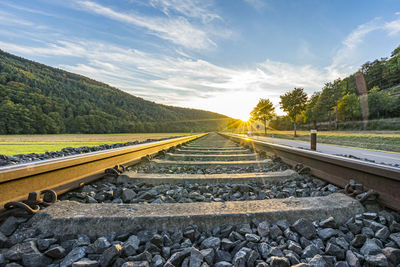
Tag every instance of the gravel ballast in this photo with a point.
(368, 239)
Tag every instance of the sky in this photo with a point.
(217, 55)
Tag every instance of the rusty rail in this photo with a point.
(64, 174)
(335, 169)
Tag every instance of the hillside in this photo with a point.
(38, 99)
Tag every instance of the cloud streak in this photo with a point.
(177, 29)
(185, 80)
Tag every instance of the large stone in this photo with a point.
(109, 255)
(310, 251)
(208, 255)
(56, 252)
(352, 259)
(128, 195)
(9, 225)
(263, 229)
(85, 263)
(328, 223)
(370, 248)
(211, 242)
(100, 245)
(396, 238)
(305, 228)
(334, 250)
(392, 254)
(177, 258)
(35, 260)
(222, 264)
(136, 264)
(326, 233)
(358, 241)
(295, 247)
(134, 241)
(279, 262)
(15, 252)
(44, 244)
(3, 240)
(318, 261)
(196, 258)
(240, 258)
(73, 256)
(377, 260)
(252, 237)
(222, 255)
(382, 233)
(275, 231)
(144, 256)
(158, 261)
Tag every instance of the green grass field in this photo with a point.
(377, 140)
(24, 144)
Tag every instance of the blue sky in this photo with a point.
(218, 55)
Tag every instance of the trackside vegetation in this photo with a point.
(337, 105)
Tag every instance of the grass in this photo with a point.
(377, 140)
(24, 144)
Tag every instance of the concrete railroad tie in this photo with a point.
(212, 163)
(158, 178)
(205, 157)
(70, 217)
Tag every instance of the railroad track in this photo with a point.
(211, 202)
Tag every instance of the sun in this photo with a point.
(244, 117)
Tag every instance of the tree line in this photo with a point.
(38, 99)
(339, 101)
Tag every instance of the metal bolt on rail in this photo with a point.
(356, 190)
(35, 201)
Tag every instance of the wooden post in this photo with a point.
(313, 140)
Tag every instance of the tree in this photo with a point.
(264, 111)
(294, 102)
(311, 114)
(380, 103)
(349, 107)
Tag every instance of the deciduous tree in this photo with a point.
(264, 111)
(294, 102)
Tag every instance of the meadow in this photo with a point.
(376, 140)
(24, 144)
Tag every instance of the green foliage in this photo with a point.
(380, 103)
(312, 112)
(338, 100)
(264, 111)
(349, 107)
(294, 102)
(38, 99)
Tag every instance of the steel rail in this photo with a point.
(64, 174)
(335, 169)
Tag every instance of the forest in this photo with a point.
(337, 105)
(38, 99)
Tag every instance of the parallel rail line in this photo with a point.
(65, 174)
(335, 169)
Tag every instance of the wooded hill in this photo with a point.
(38, 99)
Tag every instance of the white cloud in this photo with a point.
(177, 29)
(178, 80)
(347, 58)
(11, 20)
(184, 80)
(392, 27)
(189, 8)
